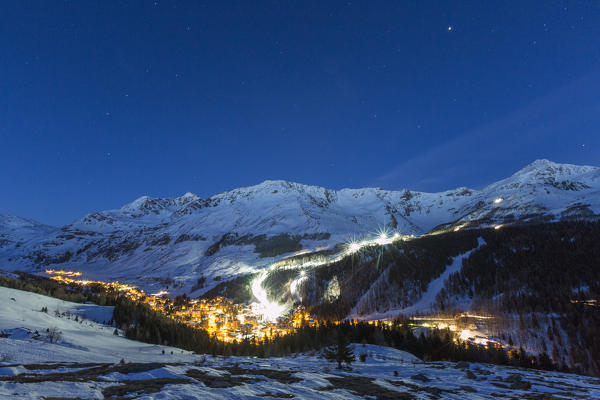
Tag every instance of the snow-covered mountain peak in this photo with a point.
(267, 192)
(544, 168)
(138, 203)
(146, 205)
(551, 175)
(187, 236)
(274, 183)
(540, 164)
(188, 197)
(269, 186)
(8, 222)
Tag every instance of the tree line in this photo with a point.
(140, 322)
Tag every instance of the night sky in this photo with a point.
(102, 102)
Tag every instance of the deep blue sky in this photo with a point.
(102, 102)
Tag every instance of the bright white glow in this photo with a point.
(382, 239)
(498, 200)
(498, 226)
(458, 228)
(444, 325)
(161, 293)
(270, 310)
(473, 337)
(352, 247)
(296, 283)
(468, 315)
(465, 334)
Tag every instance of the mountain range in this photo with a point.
(154, 242)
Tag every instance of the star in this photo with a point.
(450, 28)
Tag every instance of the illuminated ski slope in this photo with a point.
(271, 310)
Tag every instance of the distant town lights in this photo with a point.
(220, 317)
(62, 272)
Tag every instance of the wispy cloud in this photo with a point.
(554, 126)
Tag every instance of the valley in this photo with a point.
(221, 318)
(262, 262)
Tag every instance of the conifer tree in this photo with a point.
(340, 352)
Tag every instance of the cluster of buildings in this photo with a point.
(230, 322)
(220, 317)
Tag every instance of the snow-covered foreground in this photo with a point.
(86, 364)
(83, 340)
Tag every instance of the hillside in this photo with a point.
(84, 331)
(536, 286)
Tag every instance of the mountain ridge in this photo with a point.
(151, 241)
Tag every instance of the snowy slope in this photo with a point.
(18, 235)
(426, 302)
(158, 242)
(85, 364)
(87, 339)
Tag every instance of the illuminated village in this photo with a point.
(228, 321)
(222, 318)
(219, 316)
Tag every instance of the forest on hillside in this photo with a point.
(545, 276)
